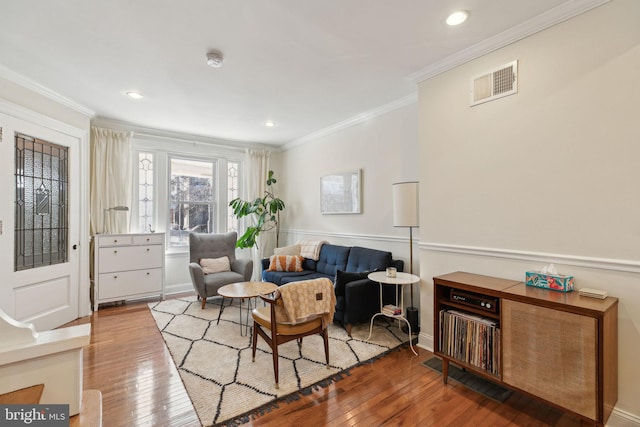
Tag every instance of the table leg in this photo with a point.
(371, 325)
(221, 310)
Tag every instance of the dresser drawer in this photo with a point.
(130, 258)
(113, 240)
(148, 239)
(127, 283)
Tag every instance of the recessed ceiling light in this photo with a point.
(457, 18)
(269, 124)
(135, 95)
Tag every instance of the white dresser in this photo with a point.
(128, 266)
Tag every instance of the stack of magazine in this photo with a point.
(391, 310)
(471, 339)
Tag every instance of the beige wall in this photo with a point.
(385, 149)
(547, 175)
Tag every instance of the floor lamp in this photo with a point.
(106, 216)
(405, 214)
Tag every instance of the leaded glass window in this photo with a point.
(145, 192)
(41, 209)
(232, 193)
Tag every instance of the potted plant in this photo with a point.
(265, 212)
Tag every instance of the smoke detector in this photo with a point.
(214, 59)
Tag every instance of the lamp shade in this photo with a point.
(405, 204)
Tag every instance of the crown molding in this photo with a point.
(360, 118)
(23, 113)
(152, 134)
(27, 83)
(545, 20)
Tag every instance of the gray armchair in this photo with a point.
(202, 245)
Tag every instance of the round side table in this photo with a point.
(399, 281)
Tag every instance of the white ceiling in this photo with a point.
(305, 64)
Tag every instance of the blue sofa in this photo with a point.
(357, 298)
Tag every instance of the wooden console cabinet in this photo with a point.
(128, 266)
(559, 347)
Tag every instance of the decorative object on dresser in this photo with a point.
(561, 348)
(128, 266)
(210, 249)
(405, 214)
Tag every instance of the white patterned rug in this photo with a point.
(227, 388)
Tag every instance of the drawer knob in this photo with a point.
(115, 277)
(148, 239)
(148, 274)
(115, 252)
(148, 249)
(115, 240)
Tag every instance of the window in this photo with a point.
(41, 217)
(232, 193)
(192, 198)
(145, 192)
(184, 187)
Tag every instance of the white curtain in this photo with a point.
(110, 185)
(256, 174)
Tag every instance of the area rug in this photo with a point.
(227, 388)
(474, 382)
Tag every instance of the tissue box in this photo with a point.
(556, 282)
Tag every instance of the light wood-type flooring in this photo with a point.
(129, 363)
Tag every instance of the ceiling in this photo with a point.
(307, 65)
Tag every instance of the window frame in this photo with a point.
(163, 151)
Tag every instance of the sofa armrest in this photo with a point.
(398, 264)
(243, 266)
(265, 263)
(344, 278)
(361, 300)
(197, 278)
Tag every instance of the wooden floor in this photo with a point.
(129, 363)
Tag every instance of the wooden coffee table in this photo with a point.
(242, 291)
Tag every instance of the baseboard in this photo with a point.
(425, 341)
(620, 418)
(178, 288)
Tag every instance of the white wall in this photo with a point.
(547, 175)
(385, 149)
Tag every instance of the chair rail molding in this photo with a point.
(629, 266)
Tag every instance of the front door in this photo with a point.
(39, 223)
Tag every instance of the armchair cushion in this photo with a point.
(215, 265)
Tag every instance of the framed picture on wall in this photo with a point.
(340, 193)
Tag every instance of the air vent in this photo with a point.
(495, 84)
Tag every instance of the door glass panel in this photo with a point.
(41, 214)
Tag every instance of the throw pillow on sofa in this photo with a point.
(285, 263)
(215, 265)
(343, 277)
